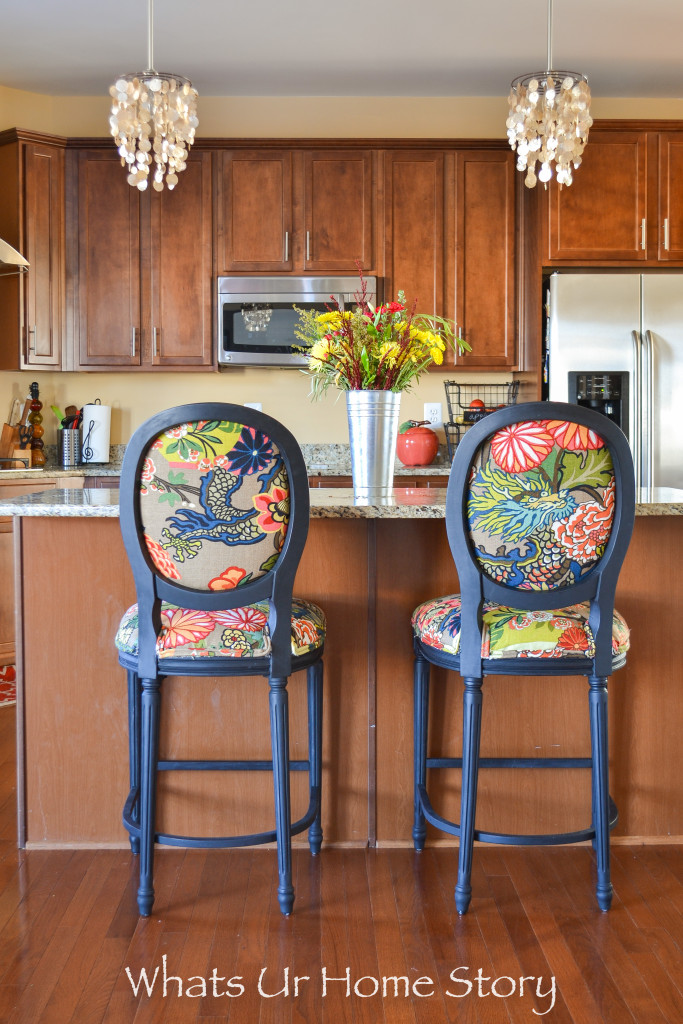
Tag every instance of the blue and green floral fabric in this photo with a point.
(231, 633)
(513, 633)
(214, 502)
(541, 503)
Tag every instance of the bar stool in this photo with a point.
(214, 516)
(539, 513)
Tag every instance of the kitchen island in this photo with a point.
(368, 567)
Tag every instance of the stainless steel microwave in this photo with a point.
(257, 315)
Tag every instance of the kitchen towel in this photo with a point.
(96, 428)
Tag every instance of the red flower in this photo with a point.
(161, 559)
(184, 626)
(228, 579)
(249, 618)
(573, 639)
(521, 446)
(585, 533)
(573, 436)
(274, 509)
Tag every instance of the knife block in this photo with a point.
(10, 452)
(9, 439)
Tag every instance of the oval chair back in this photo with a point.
(539, 513)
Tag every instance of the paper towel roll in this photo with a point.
(96, 429)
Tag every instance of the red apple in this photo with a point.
(416, 444)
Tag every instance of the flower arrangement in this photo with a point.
(372, 348)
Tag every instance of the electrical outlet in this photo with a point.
(254, 405)
(433, 414)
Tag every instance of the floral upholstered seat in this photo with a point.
(233, 633)
(511, 633)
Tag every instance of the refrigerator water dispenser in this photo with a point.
(605, 392)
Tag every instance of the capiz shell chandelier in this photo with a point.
(549, 120)
(153, 120)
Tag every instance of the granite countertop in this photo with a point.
(326, 503)
(321, 460)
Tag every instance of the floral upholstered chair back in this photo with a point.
(540, 503)
(214, 504)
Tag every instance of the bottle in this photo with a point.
(35, 418)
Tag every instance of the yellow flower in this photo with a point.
(389, 351)
(436, 355)
(320, 350)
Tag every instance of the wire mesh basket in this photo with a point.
(468, 403)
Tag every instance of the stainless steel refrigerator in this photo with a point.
(615, 342)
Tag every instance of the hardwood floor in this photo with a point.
(72, 948)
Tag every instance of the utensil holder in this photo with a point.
(69, 448)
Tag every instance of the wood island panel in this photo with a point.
(368, 575)
(76, 586)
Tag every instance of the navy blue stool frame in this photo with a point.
(598, 587)
(146, 673)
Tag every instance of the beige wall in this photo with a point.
(284, 394)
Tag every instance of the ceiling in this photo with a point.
(348, 48)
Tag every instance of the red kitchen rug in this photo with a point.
(8, 685)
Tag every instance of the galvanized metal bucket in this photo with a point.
(373, 426)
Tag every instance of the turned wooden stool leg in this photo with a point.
(314, 680)
(421, 721)
(279, 737)
(149, 753)
(471, 734)
(597, 698)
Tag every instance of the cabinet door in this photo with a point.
(670, 220)
(485, 299)
(337, 211)
(177, 321)
(254, 211)
(108, 318)
(602, 215)
(44, 250)
(414, 229)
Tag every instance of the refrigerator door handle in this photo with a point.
(648, 408)
(636, 426)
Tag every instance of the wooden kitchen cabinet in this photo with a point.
(414, 229)
(141, 267)
(32, 220)
(670, 196)
(294, 211)
(624, 206)
(485, 265)
(450, 244)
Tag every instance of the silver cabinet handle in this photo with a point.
(666, 234)
(308, 246)
(643, 234)
(286, 246)
(155, 333)
(31, 337)
(133, 341)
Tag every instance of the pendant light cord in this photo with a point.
(550, 33)
(150, 36)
